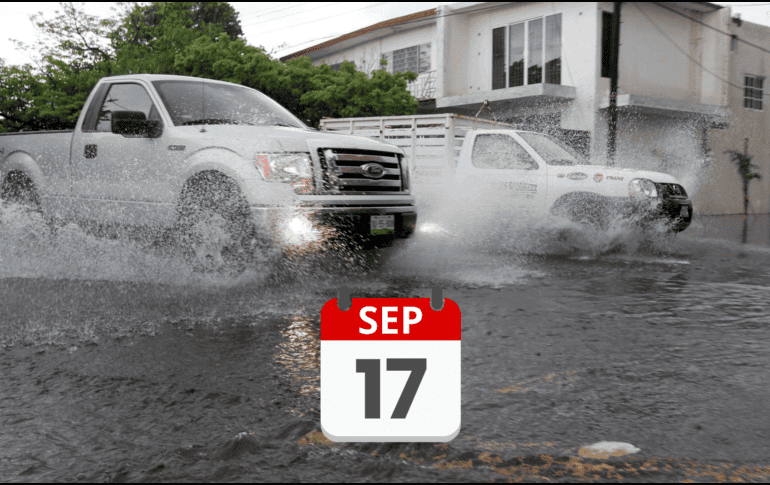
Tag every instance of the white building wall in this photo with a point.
(366, 55)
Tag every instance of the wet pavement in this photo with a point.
(118, 364)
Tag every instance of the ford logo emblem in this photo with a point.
(373, 170)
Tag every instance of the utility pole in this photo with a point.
(614, 61)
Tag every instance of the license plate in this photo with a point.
(685, 211)
(382, 225)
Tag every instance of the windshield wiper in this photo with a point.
(212, 121)
(561, 162)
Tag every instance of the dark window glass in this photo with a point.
(553, 49)
(198, 102)
(424, 58)
(336, 67)
(498, 58)
(606, 44)
(516, 55)
(500, 152)
(125, 97)
(535, 48)
(753, 92)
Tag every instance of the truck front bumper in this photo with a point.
(348, 223)
(676, 211)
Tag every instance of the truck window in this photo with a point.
(500, 152)
(553, 151)
(201, 102)
(125, 97)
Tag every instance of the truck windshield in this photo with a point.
(553, 151)
(197, 102)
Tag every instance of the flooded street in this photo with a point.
(120, 365)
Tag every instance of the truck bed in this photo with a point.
(432, 142)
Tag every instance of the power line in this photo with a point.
(728, 34)
(271, 11)
(685, 53)
(325, 18)
(440, 16)
(308, 41)
(304, 11)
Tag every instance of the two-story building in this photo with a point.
(690, 84)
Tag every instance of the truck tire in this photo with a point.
(19, 189)
(584, 208)
(217, 234)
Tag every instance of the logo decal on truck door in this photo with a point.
(519, 189)
(598, 177)
(577, 176)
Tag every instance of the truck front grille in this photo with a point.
(356, 172)
(668, 191)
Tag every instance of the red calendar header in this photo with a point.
(390, 319)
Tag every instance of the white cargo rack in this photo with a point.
(432, 142)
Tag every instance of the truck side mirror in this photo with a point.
(134, 124)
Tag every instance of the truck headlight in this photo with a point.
(287, 168)
(642, 188)
(406, 171)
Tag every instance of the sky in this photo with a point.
(282, 28)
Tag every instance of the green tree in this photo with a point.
(72, 36)
(349, 93)
(192, 38)
(47, 100)
(150, 36)
(18, 85)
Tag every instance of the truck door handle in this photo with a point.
(90, 151)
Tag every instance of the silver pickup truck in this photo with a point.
(223, 166)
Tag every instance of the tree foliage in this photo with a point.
(202, 39)
(149, 37)
(72, 36)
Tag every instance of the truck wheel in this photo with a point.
(19, 189)
(585, 209)
(216, 231)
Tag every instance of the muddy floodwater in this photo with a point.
(118, 364)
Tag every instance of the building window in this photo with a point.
(533, 52)
(336, 67)
(606, 44)
(414, 59)
(752, 92)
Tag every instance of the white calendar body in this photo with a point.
(434, 413)
(391, 370)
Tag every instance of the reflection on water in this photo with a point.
(731, 228)
(299, 354)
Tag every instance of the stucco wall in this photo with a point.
(367, 55)
(723, 193)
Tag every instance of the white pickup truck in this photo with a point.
(222, 165)
(532, 171)
(540, 174)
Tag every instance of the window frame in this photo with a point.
(507, 46)
(391, 58)
(92, 115)
(754, 91)
(534, 165)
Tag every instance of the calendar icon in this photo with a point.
(390, 369)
